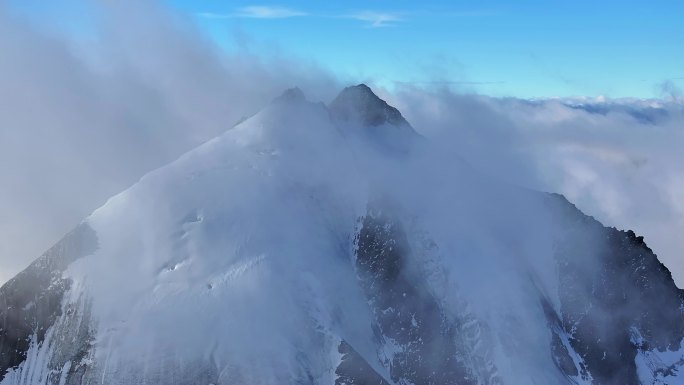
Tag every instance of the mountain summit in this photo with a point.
(360, 112)
(358, 104)
(291, 94)
(298, 248)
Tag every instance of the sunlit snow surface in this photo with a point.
(235, 264)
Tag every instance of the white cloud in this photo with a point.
(79, 125)
(265, 12)
(257, 12)
(376, 19)
(371, 18)
(619, 161)
(164, 90)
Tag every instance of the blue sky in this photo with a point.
(523, 48)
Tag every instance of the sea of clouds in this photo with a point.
(617, 160)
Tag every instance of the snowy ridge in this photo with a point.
(658, 367)
(329, 245)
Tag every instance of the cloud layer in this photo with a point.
(257, 12)
(372, 19)
(619, 161)
(79, 121)
(376, 19)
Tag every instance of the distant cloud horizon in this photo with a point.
(256, 12)
(372, 19)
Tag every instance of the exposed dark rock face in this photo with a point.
(31, 302)
(616, 289)
(360, 103)
(359, 113)
(611, 287)
(559, 351)
(408, 320)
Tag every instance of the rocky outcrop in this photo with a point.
(417, 341)
(358, 104)
(31, 302)
(610, 290)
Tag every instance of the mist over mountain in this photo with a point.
(208, 208)
(82, 120)
(335, 245)
(616, 159)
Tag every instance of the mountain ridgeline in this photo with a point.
(315, 244)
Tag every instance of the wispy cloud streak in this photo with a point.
(256, 12)
(376, 19)
(372, 19)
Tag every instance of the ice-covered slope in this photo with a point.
(334, 245)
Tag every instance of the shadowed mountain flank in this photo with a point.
(31, 302)
(358, 104)
(311, 245)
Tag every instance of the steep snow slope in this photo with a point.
(334, 245)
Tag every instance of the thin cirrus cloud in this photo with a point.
(373, 19)
(267, 12)
(376, 19)
(257, 12)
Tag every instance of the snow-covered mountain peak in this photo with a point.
(358, 104)
(294, 94)
(289, 250)
(359, 112)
